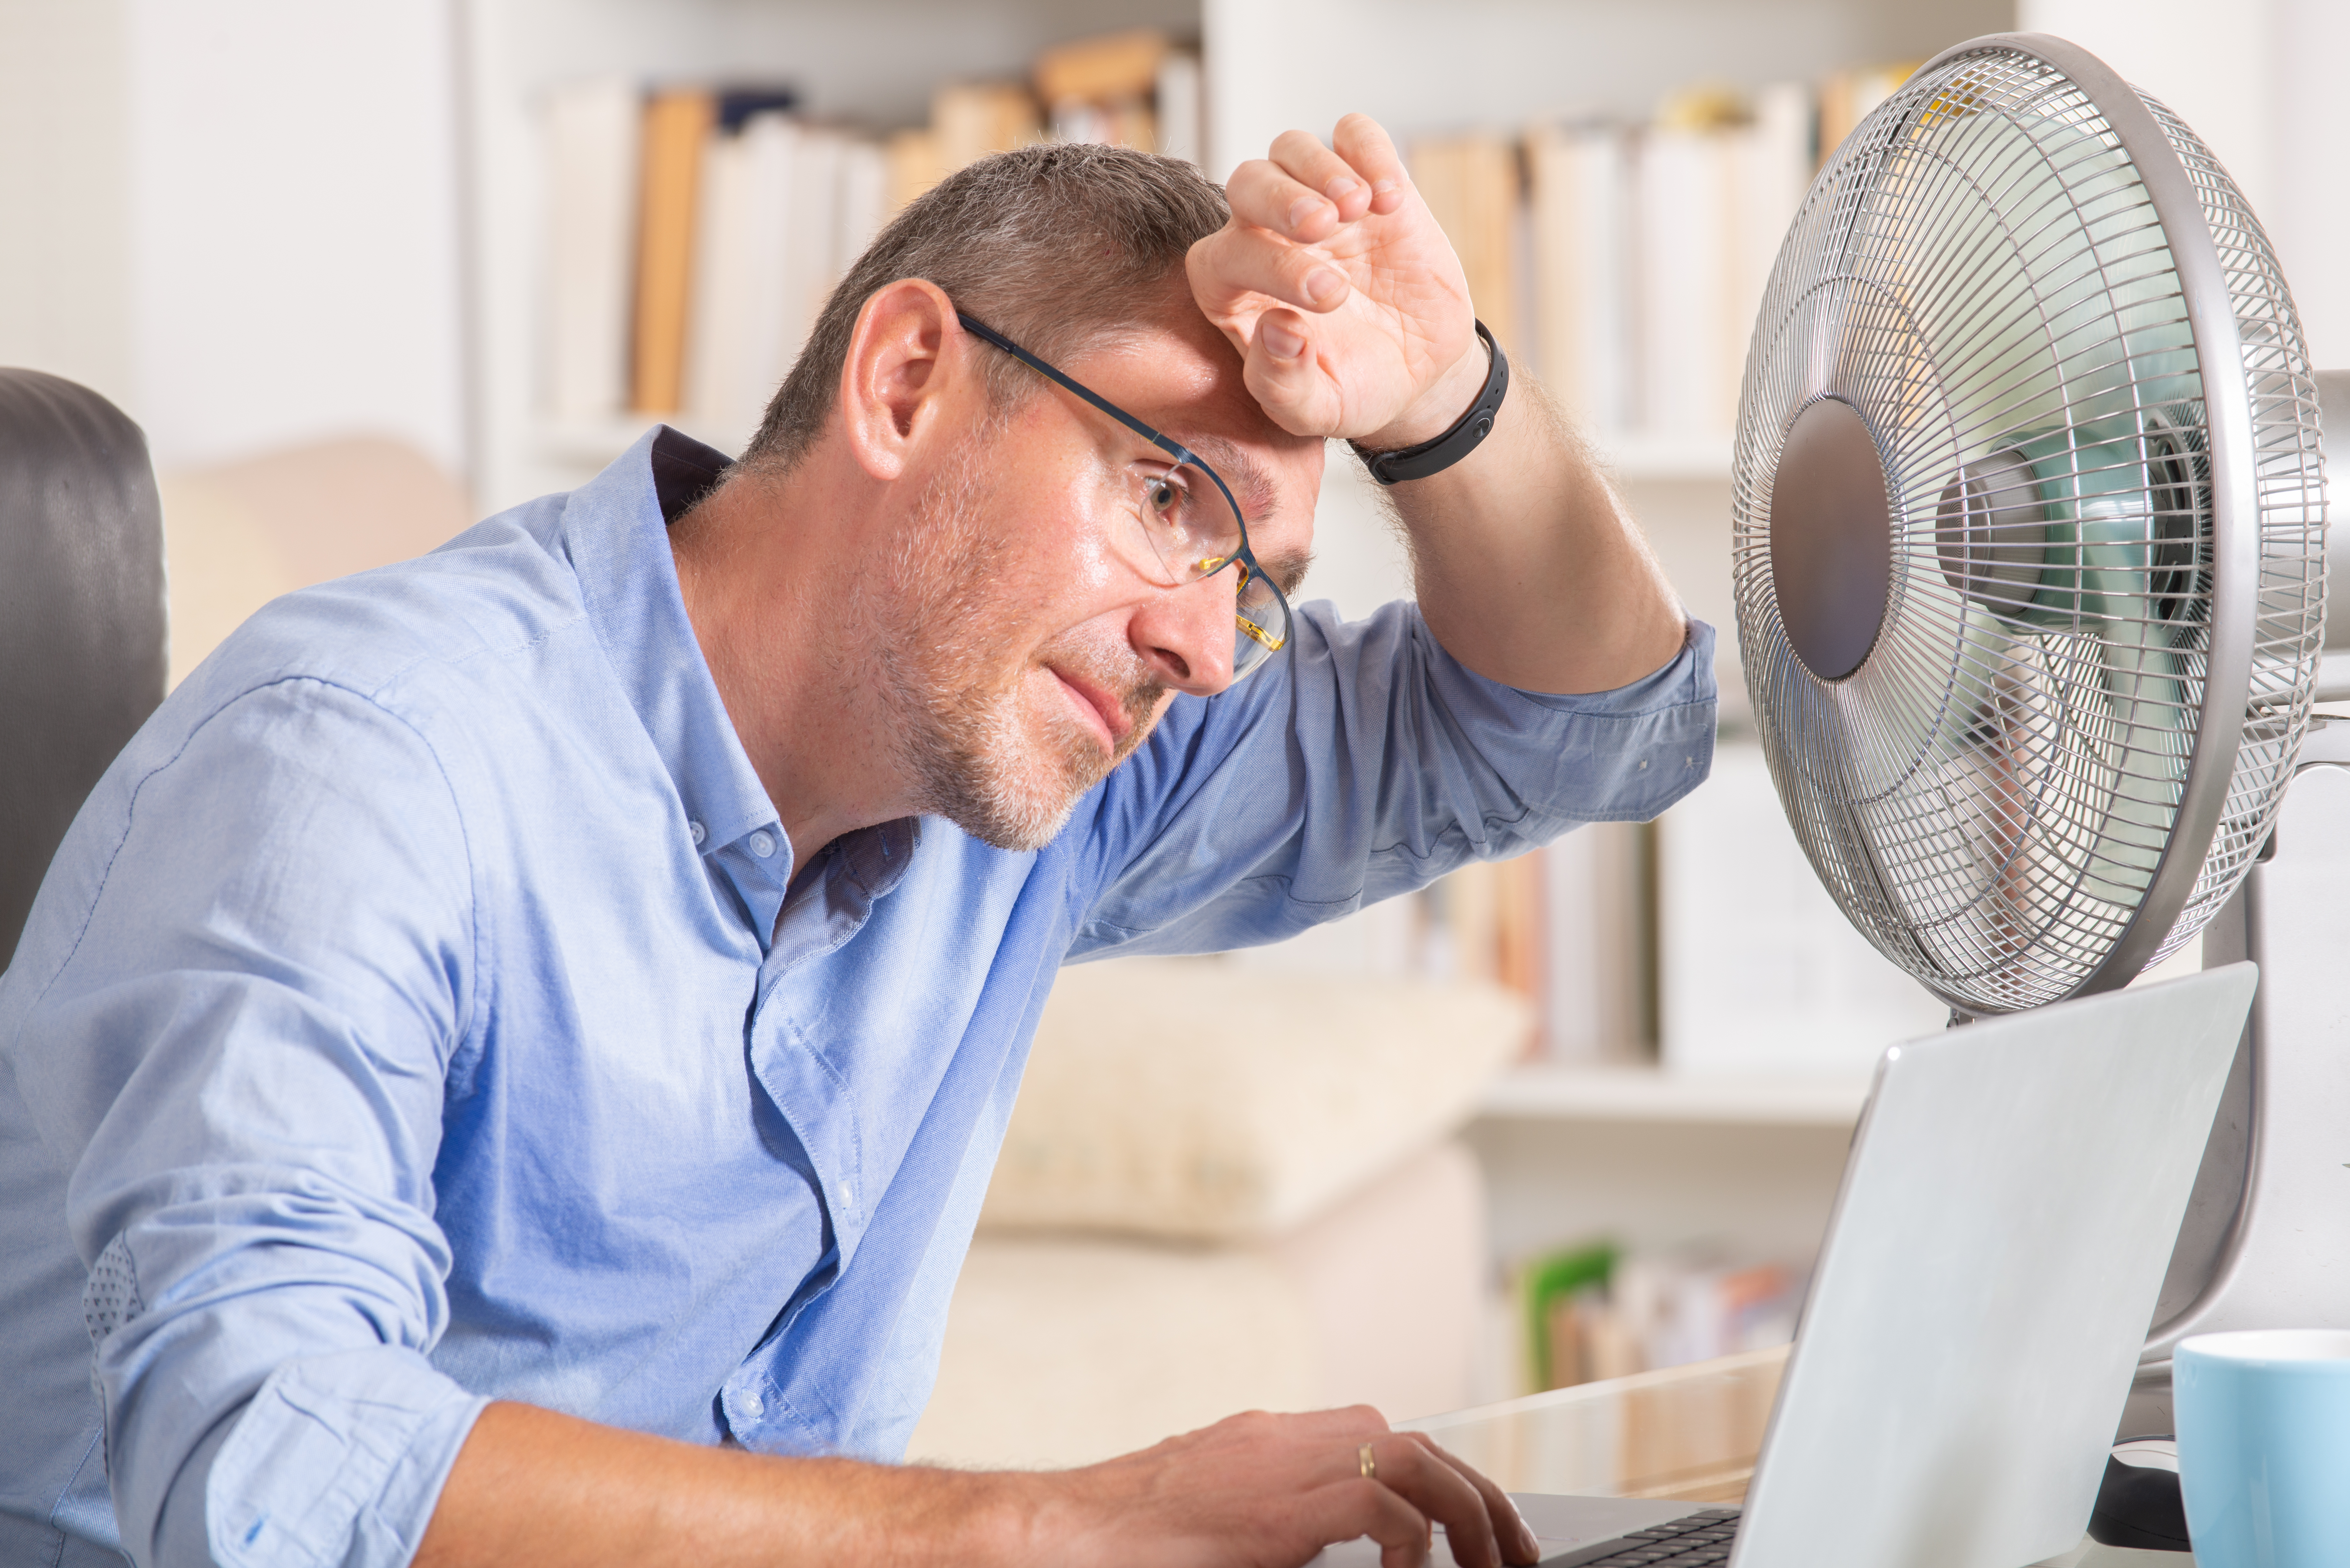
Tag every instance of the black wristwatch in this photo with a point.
(1436, 456)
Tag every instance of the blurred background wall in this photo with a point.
(239, 219)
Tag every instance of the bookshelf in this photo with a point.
(1268, 65)
(873, 65)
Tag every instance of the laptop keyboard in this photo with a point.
(1700, 1540)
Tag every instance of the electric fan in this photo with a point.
(2029, 554)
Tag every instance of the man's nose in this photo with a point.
(1186, 634)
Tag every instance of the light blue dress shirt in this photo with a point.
(408, 1021)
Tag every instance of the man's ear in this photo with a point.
(898, 372)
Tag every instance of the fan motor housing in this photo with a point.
(1831, 538)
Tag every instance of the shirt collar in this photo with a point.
(615, 533)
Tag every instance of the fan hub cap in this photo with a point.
(1831, 539)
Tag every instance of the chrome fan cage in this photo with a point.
(2031, 712)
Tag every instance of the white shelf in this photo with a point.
(1545, 1092)
(1665, 457)
(2333, 675)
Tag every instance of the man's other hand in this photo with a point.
(1269, 1491)
(532, 1487)
(1341, 293)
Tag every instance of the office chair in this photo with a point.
(82, 614)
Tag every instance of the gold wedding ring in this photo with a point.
(1368, 1460)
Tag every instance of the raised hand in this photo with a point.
(1343, 296)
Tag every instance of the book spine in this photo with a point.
(677, 125)
(591, 130)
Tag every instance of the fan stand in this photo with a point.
(2266, 1240)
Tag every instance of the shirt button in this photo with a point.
(699, 832)
(762, 844)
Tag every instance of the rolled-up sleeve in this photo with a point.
(1365, 763)
(248, 1045)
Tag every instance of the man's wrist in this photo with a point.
(1045, 1517)
(989, 1518)
(1439, 407)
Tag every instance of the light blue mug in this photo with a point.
(2264, 1447)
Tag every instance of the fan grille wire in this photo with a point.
(1981, 272)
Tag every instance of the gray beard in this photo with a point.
(956, 728)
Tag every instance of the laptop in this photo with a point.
(1989, 1269)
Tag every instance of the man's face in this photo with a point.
(1023, 653)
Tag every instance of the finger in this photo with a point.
(1315, 167)
(1368, 149)
(1509, 1526)
(1438, 1491)
(1262, 193)
(1351, 1423)
(1282, 375)
(1350, 1509)
(1247, 260)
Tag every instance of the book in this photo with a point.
(1471, 186)
(1597, 930)
(812, 243)
(863, 201)
(1680, 282)
(1463, 938)
(1550, 1288)
(1177, 98)
(1758, 972)
(1847, 96)
(915, 164)
(1596, 1310)
(1124, 122)
(971, 119)
(1102, 69)
(1519, 951)
(787, 208)
(1770, 163)
(677, 124)
(590, 133)
(726, 283)
(1578, 180)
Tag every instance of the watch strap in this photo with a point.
(1471, 428)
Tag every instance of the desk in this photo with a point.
(1688, 1433)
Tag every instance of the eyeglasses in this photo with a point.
(1186, 525)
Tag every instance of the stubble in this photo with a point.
(948, 615)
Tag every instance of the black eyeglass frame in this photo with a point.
(1175, 449)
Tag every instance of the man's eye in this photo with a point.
(1163, 495)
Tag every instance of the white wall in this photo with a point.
(238, 219)
(63, 172)
(295, 248)
(2260, 81)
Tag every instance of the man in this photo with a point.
(516, 1010)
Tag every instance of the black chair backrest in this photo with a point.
(82, 654)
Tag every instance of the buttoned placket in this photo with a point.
(831, 904)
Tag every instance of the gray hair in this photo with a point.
(1060, 247)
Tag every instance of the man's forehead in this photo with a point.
(1186, 381)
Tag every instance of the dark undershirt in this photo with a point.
(684, 471)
